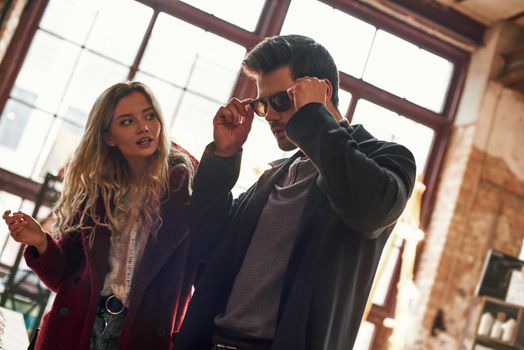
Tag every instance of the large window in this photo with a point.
(189, 52)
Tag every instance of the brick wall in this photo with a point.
(479, 207)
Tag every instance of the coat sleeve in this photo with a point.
(60, 260)
(212, 202)
(367, 181)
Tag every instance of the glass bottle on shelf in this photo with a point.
(508, 329)
(496, 330)
(486, 321)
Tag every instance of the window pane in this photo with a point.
(70, 19)
(389, 126)
(59, 147)
(405, 70)
(417, 138)
(260, 148)
(231, 11)
(92, 75)
(429, 80)
(214, 75)
(350, 50)
(193, 124)
(45, 72)
(167, 95)
(190, 57)
(119, 28)
(30, 128)
(387, 263)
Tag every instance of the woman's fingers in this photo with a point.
(6, 214)
(16, 234)
(17, 225)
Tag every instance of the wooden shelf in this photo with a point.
(516, 312)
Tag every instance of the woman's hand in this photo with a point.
(24, 229)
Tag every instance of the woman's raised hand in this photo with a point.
(25, 229)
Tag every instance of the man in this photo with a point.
(299, 250)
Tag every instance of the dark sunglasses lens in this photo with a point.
(280, 102)
(260, 107)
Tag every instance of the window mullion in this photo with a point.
(143, 46)
(272, 17)
(20, 43)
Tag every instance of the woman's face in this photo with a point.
(135, 128)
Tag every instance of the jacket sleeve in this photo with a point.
(211, 201)
(367, 181)
(60, 260)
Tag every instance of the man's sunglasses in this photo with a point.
(279, 101)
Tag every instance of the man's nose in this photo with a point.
(271, 114)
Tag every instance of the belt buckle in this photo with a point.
(224, 347)
(108, 305)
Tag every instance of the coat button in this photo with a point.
(64, 311)
(164, 297)
(161, 332)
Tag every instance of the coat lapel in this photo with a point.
(249, 219)
(159, 249)
(97, 254)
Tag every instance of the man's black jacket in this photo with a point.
(361, 189)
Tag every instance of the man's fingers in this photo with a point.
(223, 116)
(248, 120)
(246, 101)
(234, 113)
(238, 106)
(238, 111)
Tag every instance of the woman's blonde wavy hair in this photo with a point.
(99, 174)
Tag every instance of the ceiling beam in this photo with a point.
(437, 16)
(203, 19)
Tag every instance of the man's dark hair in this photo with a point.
(304, 55)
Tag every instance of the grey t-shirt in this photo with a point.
(253, 303)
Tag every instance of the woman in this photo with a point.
(120, 263)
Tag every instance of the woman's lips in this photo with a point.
(144, 142)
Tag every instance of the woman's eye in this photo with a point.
(150, 116)
(125, 121)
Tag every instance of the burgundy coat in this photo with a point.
(159, 296)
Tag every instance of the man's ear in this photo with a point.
(108, 139)
(329, 92)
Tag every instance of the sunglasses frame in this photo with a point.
(271, 100)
